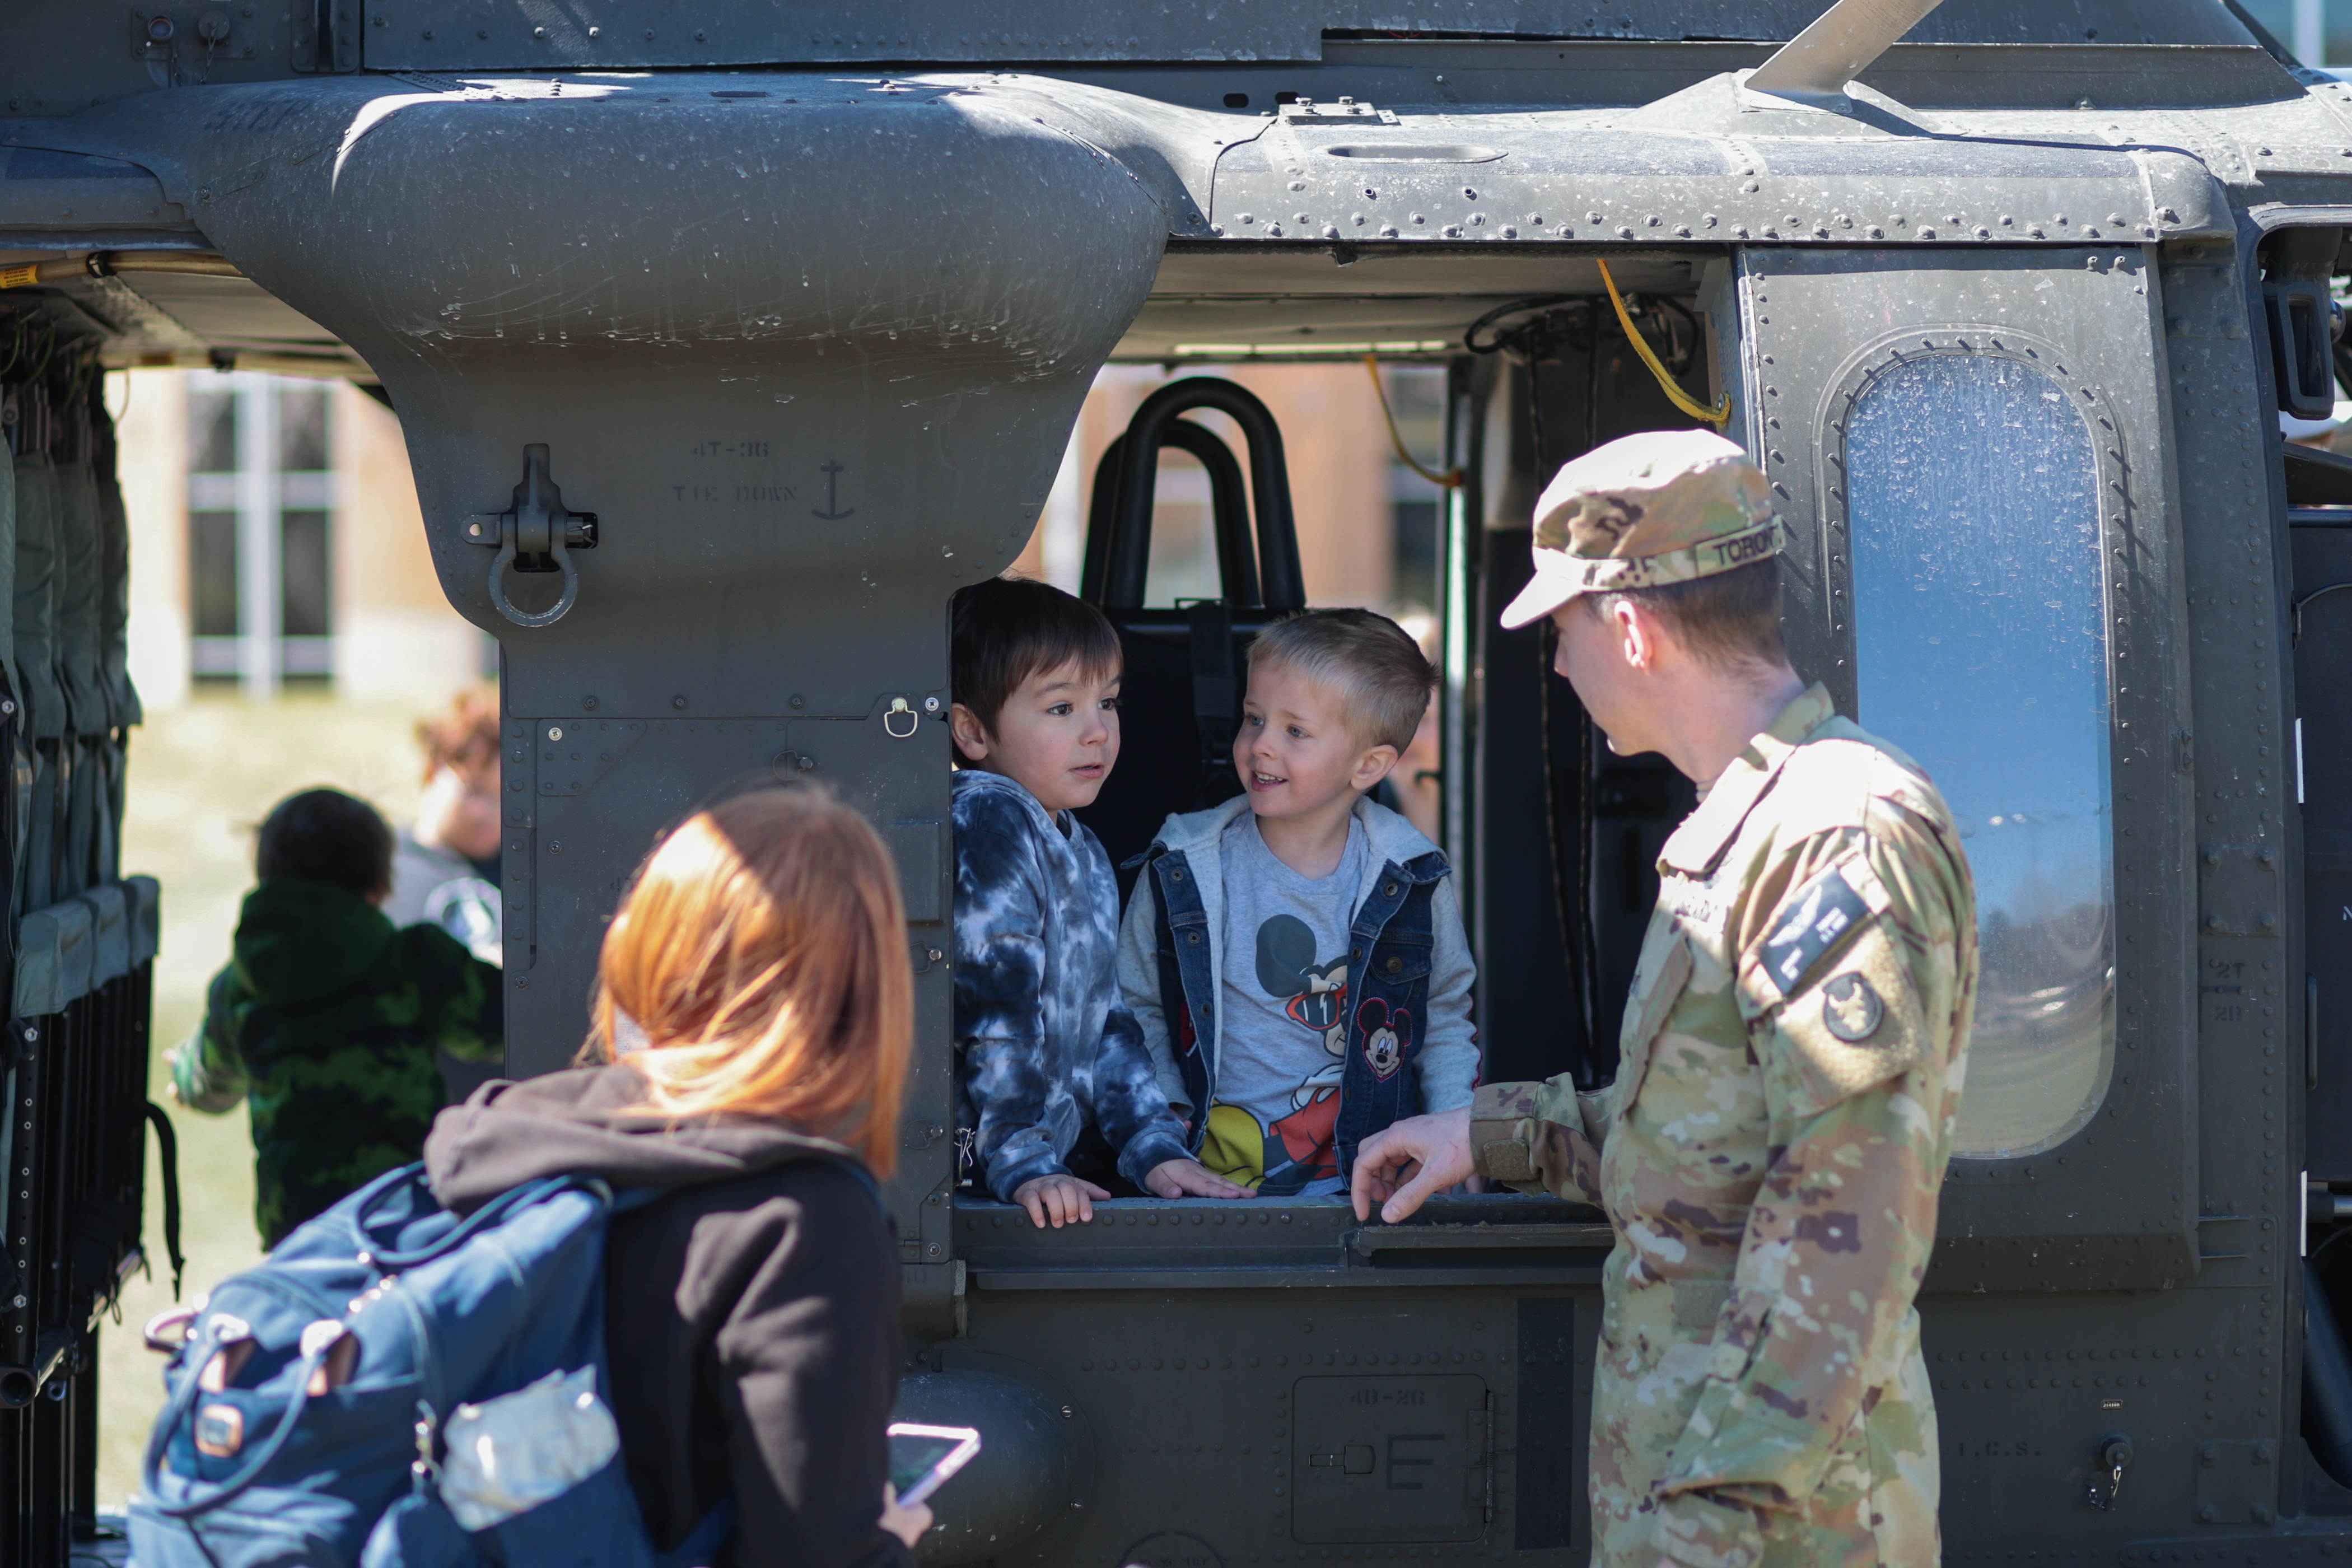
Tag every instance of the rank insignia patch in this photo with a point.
(1850, 1010)
(1822, 911)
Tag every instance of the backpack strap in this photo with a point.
(184, 1398)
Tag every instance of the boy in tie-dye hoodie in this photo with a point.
(1052, 1083)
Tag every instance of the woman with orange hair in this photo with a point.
(752, 1020)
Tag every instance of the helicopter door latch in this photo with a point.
(535, 535)
(2114, 1454)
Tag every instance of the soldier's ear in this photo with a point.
(1643, 634)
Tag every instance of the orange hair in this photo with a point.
(762, 954)
(464, 737)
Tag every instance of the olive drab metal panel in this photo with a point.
(2321, 623)
(888, 345)
(1984, 552)
(446, 35)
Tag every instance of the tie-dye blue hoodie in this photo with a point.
(1044, 1041)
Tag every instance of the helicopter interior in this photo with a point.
(1552, 838)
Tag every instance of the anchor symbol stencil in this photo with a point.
(833, 511)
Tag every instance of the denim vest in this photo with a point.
(1387, 998)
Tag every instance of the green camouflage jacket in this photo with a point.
(328, 1019)
(1769, 1155)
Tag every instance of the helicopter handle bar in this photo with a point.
(1229, 505)
(1128, 555)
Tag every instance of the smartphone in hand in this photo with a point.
(921, 1457)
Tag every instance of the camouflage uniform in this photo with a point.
(1770, 1151)
(327, 1019)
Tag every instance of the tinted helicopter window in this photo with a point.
(1980, 647)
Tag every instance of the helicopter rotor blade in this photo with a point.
(1839, 45)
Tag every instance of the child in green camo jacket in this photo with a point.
(327, 1017)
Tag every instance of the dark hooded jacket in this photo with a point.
(751, 1313)
(327, 1020)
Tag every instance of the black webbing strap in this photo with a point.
(1214, 699)
(167, 1149)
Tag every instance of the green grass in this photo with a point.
(202, 777)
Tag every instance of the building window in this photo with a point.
(1980, 648)
(260, 499)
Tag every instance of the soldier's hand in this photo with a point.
(1189, 1178)
(1065, 1199)
(1401, 1165)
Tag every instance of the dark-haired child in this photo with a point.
(1054, 1089)
(327, 1017)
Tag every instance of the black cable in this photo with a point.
(1503, 340)
(1592, 384)
(2299, 603)
(1545, 638)
(167, 1151)
(1681, 363)
(1589, 967)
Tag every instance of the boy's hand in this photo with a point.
(1065, 1199)
(1189, 1178)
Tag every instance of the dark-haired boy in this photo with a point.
(327, 1017)
(1052, 1084)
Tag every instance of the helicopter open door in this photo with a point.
(1984, 566)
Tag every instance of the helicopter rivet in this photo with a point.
(678, 701)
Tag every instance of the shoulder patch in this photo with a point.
(1820, 914)
(1850, 1009)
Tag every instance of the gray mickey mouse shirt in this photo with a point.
(1044, 1043)
(1283, 996)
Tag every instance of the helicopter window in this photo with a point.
(1981, 649)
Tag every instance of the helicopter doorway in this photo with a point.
(1569, 833)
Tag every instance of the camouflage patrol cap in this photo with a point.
(1665, 506)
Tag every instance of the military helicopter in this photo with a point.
(729, 339)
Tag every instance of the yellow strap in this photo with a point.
(1450, 478)
(20, 277)
(1682, 400)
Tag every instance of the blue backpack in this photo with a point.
(307, 1403)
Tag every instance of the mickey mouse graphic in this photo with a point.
(1315, 996)
(1387, 1035)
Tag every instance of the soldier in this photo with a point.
(1790, 1066)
